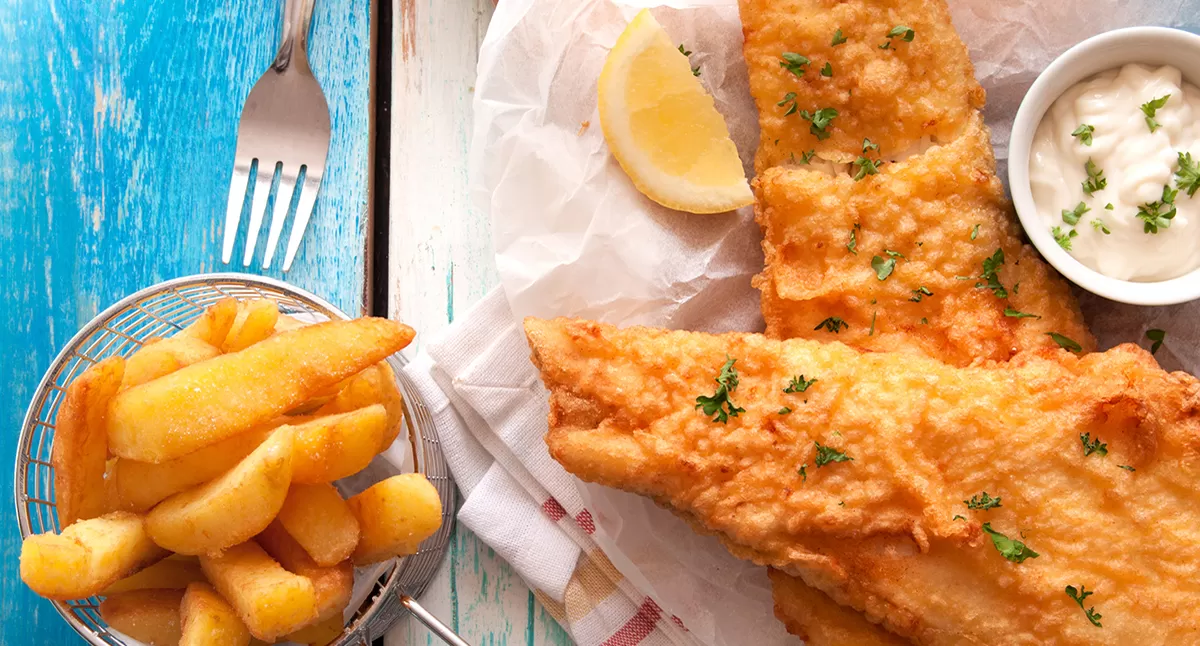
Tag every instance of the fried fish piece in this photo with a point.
(912, 92)
(903, 259)
(860, 483)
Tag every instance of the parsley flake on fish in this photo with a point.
(883, 268)
(853, 244)
(919, 293)
(1011, 313)
(789, 100)
(833, 324)
(838, 38)
(1126, 467)
(827, 70)
(1081, 594)
(799, 384)
(1150, 109)
(795, 63)
(1009, 548)
(826, 454)
(903, 33)
(990, 268)
(1099, 225)
(959, 517)
(1095, 178)
(869, 146)
(806, 157)
(1065, 343)
(1063, 238)
(1187, 178)
(982, 502)
(719, 404)
(1158, 215)
(820, 121)
(1091, 446)
(873, 316)
(1084, 134)
(975, 232)
(1072, 216)
(866, 166)
(785, 410)
(803, 472)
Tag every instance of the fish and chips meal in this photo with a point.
(925, 447)
(194, 479)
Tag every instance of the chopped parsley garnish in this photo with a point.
(1108, 207)
(1072, 216)
(975, 232)
(868, 146)
(853, 244)
(883, 268)
(785, 410)
(873, 315)
(1084, 134)
(1157, 337)
(806, 157)
(838, 38)
(686, 52)
(1091, 446)
(1081, 594)
(1064, 342)
(1011, 313)
(826, 454)
(1158, 215)
(696, 71)
(719, 403)
(789, 100)
(833, 324)
(990, 267)
(1011, 549)
(827, 70)
(820, 121)
(1099, 225)
(1017, 287)
(803, 472)
(924, 321)
(919, 293)
(1150, 108)
(904, 33)
(982, 502)
(866, 166)
(794, 63)
(1095, 178)
(1187, 178)
(1126, 467)
(1063, 238)
(959, 517)
(799, 384)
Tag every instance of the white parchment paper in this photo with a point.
(573, 237)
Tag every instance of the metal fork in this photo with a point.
(284, 126)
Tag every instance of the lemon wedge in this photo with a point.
(663, 128)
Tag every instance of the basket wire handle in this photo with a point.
(431, 622)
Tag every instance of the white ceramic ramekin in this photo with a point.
(1147, 45)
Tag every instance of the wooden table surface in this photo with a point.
(117, 130)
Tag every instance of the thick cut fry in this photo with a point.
(141, 485)
(172, 573)
(335, 446)
(149, 616)
(80, 447)
(230, 509)
(319, 634)
(215, 399)
(164, 356)
(88, 556)
(375, 385)
(269, 599)
(333, 585)
(209, 620)
(394, 516)
(255, 321)
(317, 517)
(214, 324)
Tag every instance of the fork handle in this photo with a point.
(297, 17)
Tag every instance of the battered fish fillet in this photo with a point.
(936, 219)
(887, 530)
(901, 97)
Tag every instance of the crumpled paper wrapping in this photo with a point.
(573, 237)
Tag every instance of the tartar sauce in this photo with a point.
(1107, 175)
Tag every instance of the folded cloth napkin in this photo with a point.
(490, 410)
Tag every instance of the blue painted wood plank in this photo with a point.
(117, 129)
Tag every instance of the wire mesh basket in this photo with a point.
(162, 310)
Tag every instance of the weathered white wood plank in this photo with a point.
(441, 262)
